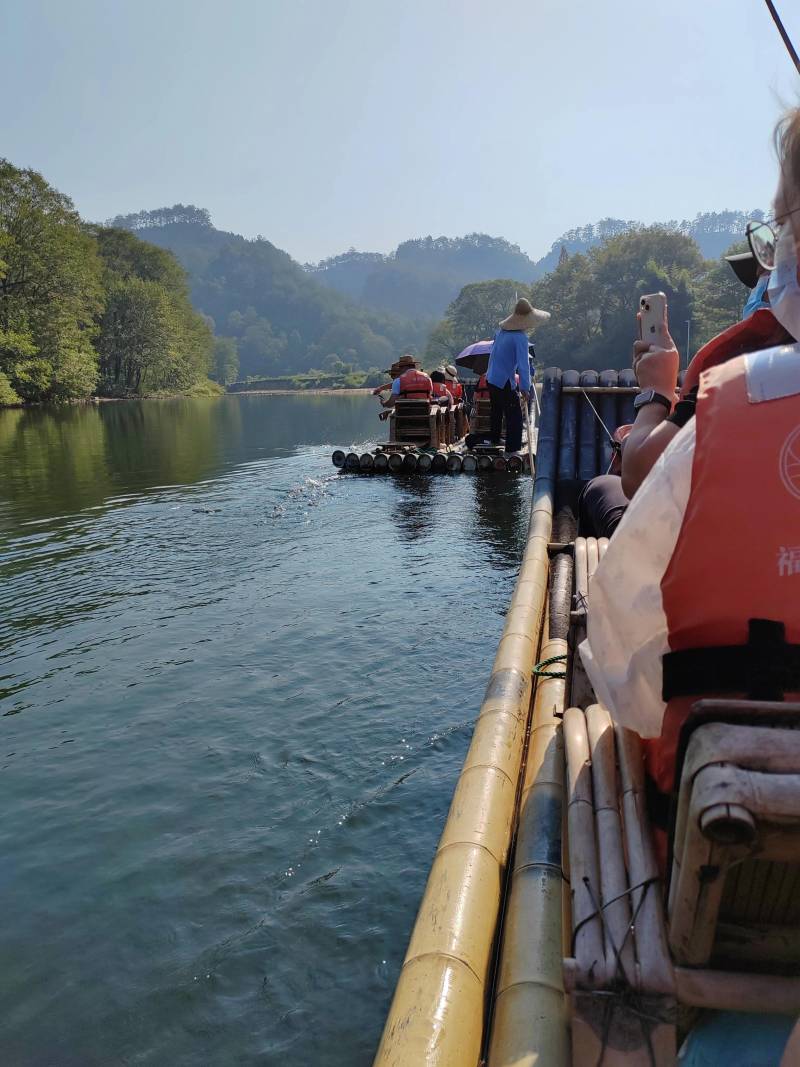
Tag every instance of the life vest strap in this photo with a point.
(766, 668)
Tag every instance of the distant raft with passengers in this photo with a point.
(429, 435)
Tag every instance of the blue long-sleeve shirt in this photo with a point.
(509, 355)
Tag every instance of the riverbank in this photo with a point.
(361, 390)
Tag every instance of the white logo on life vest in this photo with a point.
(788, 561)
(789, 465)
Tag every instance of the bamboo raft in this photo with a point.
(545, 935)
(611, 393)
(455, 459)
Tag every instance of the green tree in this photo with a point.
(593, 297)
(718, 300)
(226, 360)
(442, 346)
(476, 311)
(50, 291)
(150, 339)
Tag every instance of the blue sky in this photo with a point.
(323, 124)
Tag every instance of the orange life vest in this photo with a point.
(456, 390)
(415, 385)
(759, 330)
(440, 389)
(482, 388)
(730, 591)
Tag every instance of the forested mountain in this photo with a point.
(361, 309)
(713, 231)
(592, 298)
(281, 320)
(87, 309)
(422, 276)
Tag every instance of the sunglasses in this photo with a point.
(762, 237)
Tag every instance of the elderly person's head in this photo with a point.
(784, 234)
(787, 197)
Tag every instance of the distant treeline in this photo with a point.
(273, 317)
(593, 297)
(88, 309)
(159, 301)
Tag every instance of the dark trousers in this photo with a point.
(602, 504)
(505, 401)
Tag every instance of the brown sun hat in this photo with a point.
(524, 317)
(407, 361)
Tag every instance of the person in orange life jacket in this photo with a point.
(454, 386)
(604, 499)
(441, 394)
(482, 388)
(509, 356)
(666, 617)
(411, 383)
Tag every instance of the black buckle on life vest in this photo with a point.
(766, 668)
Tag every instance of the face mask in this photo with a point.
(756, 299)
(784, 290)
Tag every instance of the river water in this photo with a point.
(236, 689)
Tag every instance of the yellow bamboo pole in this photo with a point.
(530, 1021)
(437, 1015)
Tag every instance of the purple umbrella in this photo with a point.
(475, 357)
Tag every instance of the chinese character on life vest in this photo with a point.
(788, 561)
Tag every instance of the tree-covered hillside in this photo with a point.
(87, 309)
(713, 232)
(422, 276)
(281, 320)
(593, 297)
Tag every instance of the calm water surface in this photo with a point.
(236, 689)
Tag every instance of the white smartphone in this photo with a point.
(653, 319)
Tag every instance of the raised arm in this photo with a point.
(657, 369)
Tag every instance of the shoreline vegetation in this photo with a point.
(89, 310)
(193, 394)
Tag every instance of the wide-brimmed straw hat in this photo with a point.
(745, 266)
(451, 371)
(403, 363)
(524, 317)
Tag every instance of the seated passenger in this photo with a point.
(454, 386)
(605, 498)
(411, 383)
(695, 595)
(394, 373)
(482, 389)
(441, 394)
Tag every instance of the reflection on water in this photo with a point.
(229, 723)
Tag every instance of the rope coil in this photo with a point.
(540, 672)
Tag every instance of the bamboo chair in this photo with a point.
(416, 422)
(734, 896)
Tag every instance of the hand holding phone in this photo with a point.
(655, 358)
(653, 325)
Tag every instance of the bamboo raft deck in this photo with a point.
(544, 937)
(611, 392)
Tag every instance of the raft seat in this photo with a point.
(481, 416)
(734, 898)
(417, 422)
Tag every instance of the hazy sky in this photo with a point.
(323, 124)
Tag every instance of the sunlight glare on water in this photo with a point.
(236, 689)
